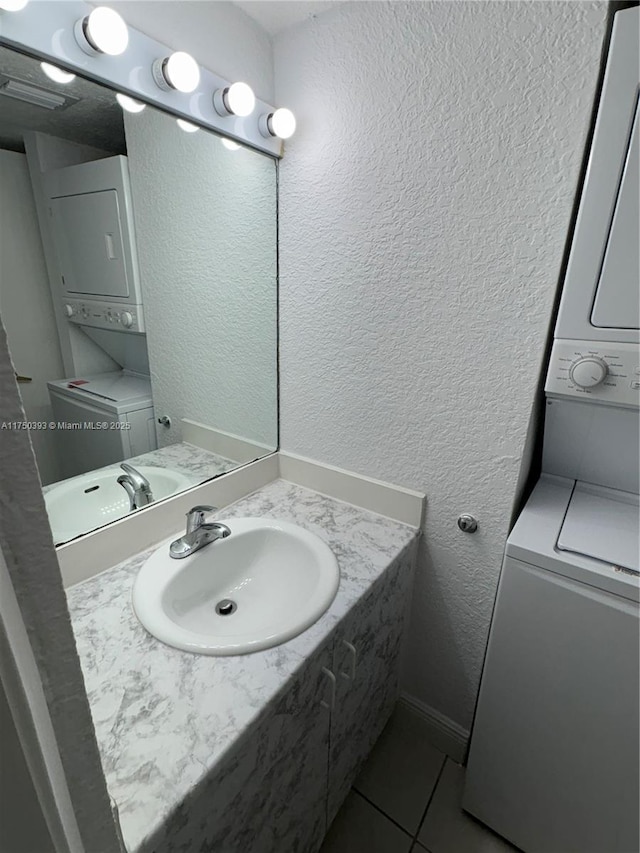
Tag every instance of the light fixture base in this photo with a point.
(264, 125)
(157, 70)
(79, 31)
(219, 102)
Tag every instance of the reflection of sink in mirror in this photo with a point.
(140, 289)
(265, 583)
(83, 503)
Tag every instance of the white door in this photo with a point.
(617, 303)
(600, 299)
(90, 245)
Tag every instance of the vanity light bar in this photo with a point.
(98, 43)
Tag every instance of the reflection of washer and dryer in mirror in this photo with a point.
(553, 762)
(110, 414)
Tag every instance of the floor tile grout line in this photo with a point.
(429, 801)
(383, 813)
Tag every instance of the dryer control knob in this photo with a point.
(69, 310)
(127, 319)
(589, 371)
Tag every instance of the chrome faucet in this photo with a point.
(136, 486)
(199, 533)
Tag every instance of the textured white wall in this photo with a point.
(39, 664)
(26, 306)
(424, 204)
(205, 221)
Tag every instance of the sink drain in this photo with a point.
(226, 607)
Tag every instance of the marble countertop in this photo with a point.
(164, 717)
(198, 464)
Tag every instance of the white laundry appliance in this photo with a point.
(102, 419)
(110, 415)
(554, 757)
(91, 210)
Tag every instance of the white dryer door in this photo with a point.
(617, 302)
(90, 247)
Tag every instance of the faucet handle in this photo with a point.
(195, 516)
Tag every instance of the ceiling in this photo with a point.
(277, 15)
(93, 119)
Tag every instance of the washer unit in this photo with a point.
(554, 756)
(102, 419)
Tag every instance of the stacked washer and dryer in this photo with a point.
(110, 414)
(554, 756)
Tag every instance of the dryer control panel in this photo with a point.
(104, 315)
(606, 373)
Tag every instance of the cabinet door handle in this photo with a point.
(353, 658)
(332, 690)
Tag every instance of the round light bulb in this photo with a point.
(230, 144)
(240, 99)
(282, 123)
(179, 71)
(13, 5)
(186, 125)
(237, 99)
(102, 31)
(129, 104)
(57, 74)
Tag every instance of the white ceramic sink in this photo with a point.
(83, 503)
(280, 577)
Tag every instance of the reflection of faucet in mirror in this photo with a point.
(136, 486)
(199, 533)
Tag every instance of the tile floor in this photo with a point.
(407, 800)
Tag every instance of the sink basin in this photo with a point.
(83, 503)
(262, 585)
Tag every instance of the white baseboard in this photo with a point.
(226, 444)
(444, 733)
(394, 502)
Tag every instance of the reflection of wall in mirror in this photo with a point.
(205, 221)
(26, 305)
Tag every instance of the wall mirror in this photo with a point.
(138, 290)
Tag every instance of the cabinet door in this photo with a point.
(268, 793)
(365, 662)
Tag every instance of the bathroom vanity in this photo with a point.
(250, 753)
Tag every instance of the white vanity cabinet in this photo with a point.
(365, 662)
(280, 786)
(268, 793)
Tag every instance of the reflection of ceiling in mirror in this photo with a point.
(93, 119)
